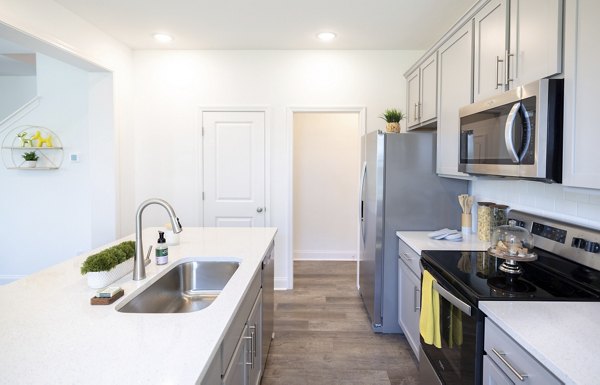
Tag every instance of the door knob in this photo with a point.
(259, 209)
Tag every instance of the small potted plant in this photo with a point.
(103, 268)
(31, 159)
(393, 117)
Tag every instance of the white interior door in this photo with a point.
(234, 168)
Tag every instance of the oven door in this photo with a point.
(459, 360)
(497, 135)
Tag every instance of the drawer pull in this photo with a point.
(520, 376)
(407, 257)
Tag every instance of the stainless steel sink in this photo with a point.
(187, 287)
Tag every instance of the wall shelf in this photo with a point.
(13, 148)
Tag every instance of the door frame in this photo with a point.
(200, 151)
(290, 111)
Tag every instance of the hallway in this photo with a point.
(323, 336)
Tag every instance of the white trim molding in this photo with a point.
(289, 131)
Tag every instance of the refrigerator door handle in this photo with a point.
(363, 179)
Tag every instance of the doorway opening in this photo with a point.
(325, 175)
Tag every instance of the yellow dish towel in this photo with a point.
(429, 323)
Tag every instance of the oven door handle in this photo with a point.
(465, 308)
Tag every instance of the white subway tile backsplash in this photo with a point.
(576, 195)
(553, 200)
(588, 211)
(566, 207)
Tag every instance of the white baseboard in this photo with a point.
(4, 279)
(281, 283)
(324, 255)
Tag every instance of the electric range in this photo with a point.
(567, 269)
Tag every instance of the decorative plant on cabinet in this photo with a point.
(392, 117)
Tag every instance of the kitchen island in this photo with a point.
(51, 333)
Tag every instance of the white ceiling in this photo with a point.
(273, 24)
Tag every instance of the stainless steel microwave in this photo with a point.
(515, 134)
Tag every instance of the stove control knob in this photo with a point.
(592, 247)
(579, 243)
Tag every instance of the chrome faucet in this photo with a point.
(139, 267)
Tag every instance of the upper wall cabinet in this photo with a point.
(422, 94)
(582, 82)
(516, 42)
(455, 62)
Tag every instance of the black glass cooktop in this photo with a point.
(477, 275)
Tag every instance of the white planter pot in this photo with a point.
(30, 163)
(100, 279)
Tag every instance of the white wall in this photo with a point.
(70, 211)
(46, 215)
(325, 187)
(49, 28)
(576, 205)
(170, 87)
(15, 91)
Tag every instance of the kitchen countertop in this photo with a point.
(419, 241)
(563, 336)
(51, 333)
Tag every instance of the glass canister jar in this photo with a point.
(499, 215)
(484, 220)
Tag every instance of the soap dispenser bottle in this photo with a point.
(162, 250)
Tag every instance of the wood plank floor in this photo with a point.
(323, 334)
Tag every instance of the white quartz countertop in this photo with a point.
(50, 334)
(563, 336)
(419, 241)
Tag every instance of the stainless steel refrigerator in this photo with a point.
(400, 191)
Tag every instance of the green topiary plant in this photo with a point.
(392, 115)
(109, 258)
(30, 156)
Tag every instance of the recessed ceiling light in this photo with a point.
(326, 36)
(162, 37)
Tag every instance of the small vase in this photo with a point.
(393, 127)
(30, 164)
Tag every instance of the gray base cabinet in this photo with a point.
(409, 295)
(505, 356)
(242, 354)
(245, 366)
(492, 375)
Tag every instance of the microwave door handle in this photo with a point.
(465, 308)
(508, 132)
(527, 131)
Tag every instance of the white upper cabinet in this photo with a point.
(490, 49)
(535, 44)
(422, 94)
(455, 61)
(412, 87)
(582, 82)
(428, 106)
(516, 42)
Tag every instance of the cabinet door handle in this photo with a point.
(253, 328)
(520, 376)
(498, 61)
(251, 363)
(507, 57)
(416, 115)
(416, 297)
